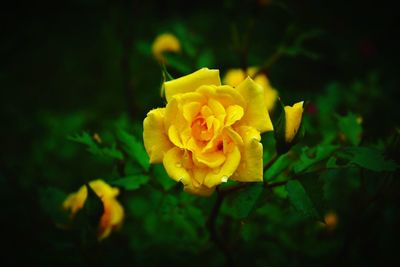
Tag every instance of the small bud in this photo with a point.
(293, 115)
(165, 42)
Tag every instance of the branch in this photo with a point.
(211, 226)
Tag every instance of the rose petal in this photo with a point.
(190, 110)
(174, 136)
(230, 165)
(234, 135)
(224, 94)
(255, 114)
(212, 159)
(112, 217)
(250, 168)
(155, 138)
(216, 107)
(173, 165)
(103, 189)
(234, 113)
(191, 82)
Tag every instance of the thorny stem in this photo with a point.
(212, 229)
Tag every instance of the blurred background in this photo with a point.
(73, 66)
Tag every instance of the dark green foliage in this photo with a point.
(93, 208)
(309, 157)
(51, 200)
(85, 223)
(94, 147)
(134, 148)
(131, 182)
(351, 128)
(367, 158)
(240, 204)
(300, 200)
(162, 177)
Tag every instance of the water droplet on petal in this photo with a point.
(178, 165)
(224, 179)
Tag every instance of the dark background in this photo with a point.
(68, 66)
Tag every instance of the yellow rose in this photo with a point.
(208, 132)
(113, 214)
(233, 77)
(165, 42)
(293, 117)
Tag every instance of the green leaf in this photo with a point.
(138, 205)
(131, 167)
(94, 147)
(314, 187)
(131, 182)
(134, 148)
(311, 156)
(162, 177)
(351, 128)
(282, 163)
(300, 199)
(368, 158)
(241, 203)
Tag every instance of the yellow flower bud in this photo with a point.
(165, 42)
(293, 117)
(113, 214)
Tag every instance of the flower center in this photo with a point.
(200, 129)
